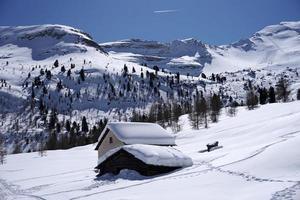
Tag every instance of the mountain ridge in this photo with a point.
(267, 42)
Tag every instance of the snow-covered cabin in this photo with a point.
(144, 147)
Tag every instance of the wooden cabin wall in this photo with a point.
(106, 145)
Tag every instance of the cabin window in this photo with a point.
(110, 140)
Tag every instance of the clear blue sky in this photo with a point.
(212, 21)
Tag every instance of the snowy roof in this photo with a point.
(153, 155)
(138, 133)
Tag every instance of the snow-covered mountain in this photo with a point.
(187, 55)
(30, 82)
(46, 40)
(273, 46)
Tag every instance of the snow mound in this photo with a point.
(141, 133)
(159, 155)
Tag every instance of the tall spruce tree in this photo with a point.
(282, 89)
(84, 125)
(272, 96)
(2, 150)
(215, 105)
(251, 100)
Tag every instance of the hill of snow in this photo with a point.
(259, 160)
(44, 41)
(274, 46)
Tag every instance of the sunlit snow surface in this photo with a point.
(259, 160)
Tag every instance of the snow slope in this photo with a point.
(47, 40)
(273, 46)
(259, 160)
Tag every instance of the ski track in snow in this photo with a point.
(8, 192)
(64, 173)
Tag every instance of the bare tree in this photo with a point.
(42, 148)
(231, 110)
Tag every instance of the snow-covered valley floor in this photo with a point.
(260, 159)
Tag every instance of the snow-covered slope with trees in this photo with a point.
(273, 46)
(188, 56)
(259, 160)
(55, 78)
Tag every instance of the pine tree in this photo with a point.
(48, 74)
(63, 69)
(2, 151)
(52, 120)
(282, 90)
(251, 100)
(68, 125)
(52, 143)
(203, 111)
(125, 70)
(82, 75)
(194, 116)
(84, 125)
(272, 98)
(176, 113)
(263, 95)
(56, 63)
(215, 105)
(199, 114)
(58, 127)
(69, 73)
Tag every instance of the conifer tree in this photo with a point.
(2, 151)
(251, 100)
(282, 89)
(52, 141)
(56, 63)
(176, 112)
(63, 69)
(263, 95)
(68, 125)
(84, 125)
(82, 75)
(272, 97)
(215, 105)
(203, 111)
(52, 120)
